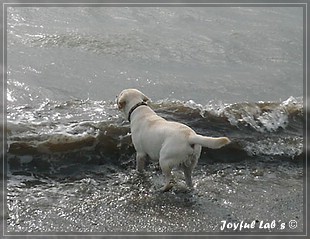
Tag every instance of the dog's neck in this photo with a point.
(135, 107)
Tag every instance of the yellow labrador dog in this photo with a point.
(173, 144)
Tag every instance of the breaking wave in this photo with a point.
(92, 132)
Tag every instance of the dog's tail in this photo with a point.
(209, 142)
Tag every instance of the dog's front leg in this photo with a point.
(140, 162)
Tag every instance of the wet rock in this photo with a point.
(257, 172)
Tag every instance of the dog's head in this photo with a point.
(128, 98)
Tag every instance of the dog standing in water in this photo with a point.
(173, 144)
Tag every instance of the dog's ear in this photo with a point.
(121, 105)
(145, 98)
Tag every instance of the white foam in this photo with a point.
(262, 120)
(9, 96)
(273, 120)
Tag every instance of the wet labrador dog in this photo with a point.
(173, 144)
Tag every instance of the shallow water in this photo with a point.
(223, 71)
(121, 201)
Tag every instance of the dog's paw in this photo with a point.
(168, 186)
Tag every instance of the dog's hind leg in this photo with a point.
(166, 169)
(188, 168)
(189, 165)
(140, 161)
(188, 176)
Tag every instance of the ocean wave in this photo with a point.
(97, 132)
(261, 116)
